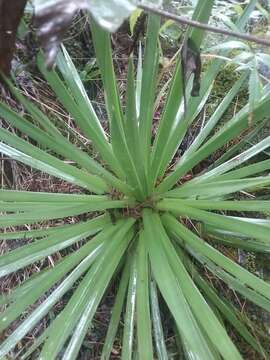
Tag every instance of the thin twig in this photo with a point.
(197, 24)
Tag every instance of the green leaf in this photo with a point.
(234, 239)
(172, 125)
(97, 292)
(130, 314)
(133, 19)
(245, 278)
(171, 290)
(230, 45)
(149, 75)
(227, 310)
(116, 313)
(28, 154)
(247, 170)
(200, 308)
(247, 140)
(157, 324)
(46, 305)
(255, 89)
(103, 51)
(132, 127)
(258, 231)
(226, 133)
(49, 214)
(86, 124)
(214, 189)
(242, 21)
(116, 118)
(46, 197)
(144, 328)
(54, 140)
(241, 205)
(37, 250)
(36, 286)
(78, 313)
(216, 117)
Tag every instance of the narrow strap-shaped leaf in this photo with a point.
(123, 153)
(157, 324)
(116, 313)
(214, 189)
(144, 327)
(94, 204)
(237, 148)
(138, 90)
(206, 317)
(233, 282)
(28, 206)
(255, 88)
(245, 171)
(130, 314)
(42, 214)
(39, 249)
(237, 205)
(245, 16)
(170, 128)
(87, 294)
(103, 50)
(83, 121)
(97, 292)
(259, 232)
(45, 280)
(102, 43)
(233, 239)
(54, 139)
(174, 98)
(47, 304)
(171, 290)
(23, 151)
(202, 13)
(217, 115)
(229, 130)
(132, 126)
(99, 202)
(118, 137)
(207, 251)
(28, 234)
(227, 310)
(46, 197)
(236, 161)
(74, 82)
(150, 67)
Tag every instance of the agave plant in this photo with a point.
(156, 227)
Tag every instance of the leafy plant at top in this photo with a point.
(149, 244)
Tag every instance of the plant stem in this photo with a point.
(197, 24)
